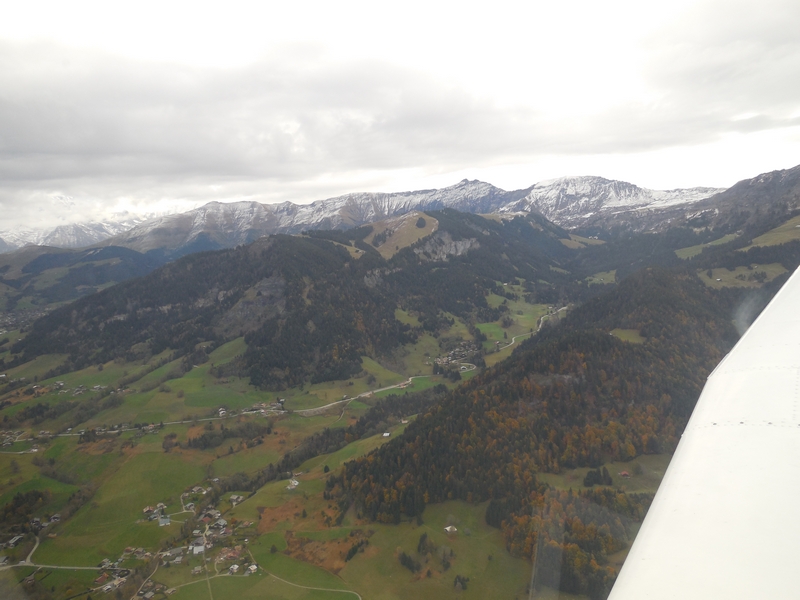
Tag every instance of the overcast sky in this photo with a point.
(164, 106)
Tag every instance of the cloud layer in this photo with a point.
(299, 123)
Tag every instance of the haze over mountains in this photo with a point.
(75, 235)
(588, 203)
(567, 201)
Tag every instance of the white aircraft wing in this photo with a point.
(725, 522)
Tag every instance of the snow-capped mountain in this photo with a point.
(76, 235)
(578, 201)
(568, 202)
(220, 225)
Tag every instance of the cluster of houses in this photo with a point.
(259, 408)
(157, 512)
(234, 554)
(199, 544)
(461, 352)
(217, 529)
(37, 524)
(112, 580)
(262, 408)
(7, 438)
(151, 588)
(173, 556)
(137, 553)
(217, 526)
(234, 569)
(198, 489)
(10, 321)
(113, 576)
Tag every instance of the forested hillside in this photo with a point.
(573, 396)
(230, 374)
(309, 307)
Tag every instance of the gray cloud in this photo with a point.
(95, 126)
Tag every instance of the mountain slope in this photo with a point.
(573, 396)
(590, 203)
(752, 203)
(296, 299)
(578, 201)
(223, 225)
(75, 235)
(569, 202)
(38, 276)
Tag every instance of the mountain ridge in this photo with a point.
(589, 203)
(235, 223)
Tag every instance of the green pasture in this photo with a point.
(585, 241)
(628, 335)
(787, 232)
(479, 553)
(571, 244)
(249, 460)
(314, 467)
(412, 358)
(332, 391)
(403, 234)
(325, 535)
(108, 523)
(275, 494)
(406, 318)
(417, 384)
(12, 336)
(66, 583)
(228, 351)
(492, 358)
(260, 585)
(37, 367)
(695, 250)
(288, 568)
(28, 478)
(740, 276)
(603, 277)
(646, 472)
(494, 333)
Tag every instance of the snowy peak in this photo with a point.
(76, 235)
(567, 201)
(222, 225)
(572, 201)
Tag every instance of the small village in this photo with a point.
(464, 350)
(213, 531)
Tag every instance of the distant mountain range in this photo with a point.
(576, 201)
(590, 203)
(76, 235)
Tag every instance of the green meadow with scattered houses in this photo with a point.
(101, 474)
(200, 462)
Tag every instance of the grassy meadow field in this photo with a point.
(288, 533)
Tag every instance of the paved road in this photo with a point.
(538, 328)
(28, 562)
(309, 412)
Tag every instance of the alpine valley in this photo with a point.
(459, 392)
